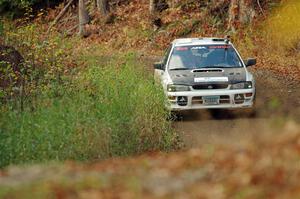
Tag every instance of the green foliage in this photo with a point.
(14, 6)
(46, 62)
(20, 4)
(1, 29)
(114, 110)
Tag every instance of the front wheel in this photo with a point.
(174, 116)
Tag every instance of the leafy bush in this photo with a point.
(46, 61)
(17, 8)
(14, 6)
(84, 109)
(1, 29)
(113, 110)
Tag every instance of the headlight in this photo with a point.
(177, 88)
(242, 85)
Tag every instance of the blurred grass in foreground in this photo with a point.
(261, 167)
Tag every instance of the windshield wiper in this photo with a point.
(221, 67)
(181, 69)
(215, 67)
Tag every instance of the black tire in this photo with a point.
(174, 116)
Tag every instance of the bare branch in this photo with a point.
(60, 15)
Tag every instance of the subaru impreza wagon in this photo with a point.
(205, 73)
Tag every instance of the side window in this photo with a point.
(166, 56)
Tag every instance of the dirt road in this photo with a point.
(278, 100)
(259, 169)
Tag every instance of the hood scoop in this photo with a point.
(216, 75)
(207, 70)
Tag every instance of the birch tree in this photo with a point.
(241, 12)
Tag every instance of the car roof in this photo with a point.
(200, 41)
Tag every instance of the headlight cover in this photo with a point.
(177, 88)
(242, 85)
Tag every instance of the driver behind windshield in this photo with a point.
(193, 57)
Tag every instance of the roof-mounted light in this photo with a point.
(227, 39)
(218, 39)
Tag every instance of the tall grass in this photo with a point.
(283, 27)
(275, 41)
(110, 110)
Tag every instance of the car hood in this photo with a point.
(208, 76)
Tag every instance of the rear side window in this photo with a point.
(204, 56)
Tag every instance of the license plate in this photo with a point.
(211, 100)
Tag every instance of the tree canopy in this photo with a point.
(16, 7)
(19, 4)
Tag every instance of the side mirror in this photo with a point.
(158, 65)
(250, 62)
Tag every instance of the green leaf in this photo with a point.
(1, 28)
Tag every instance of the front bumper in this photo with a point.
(238, 98)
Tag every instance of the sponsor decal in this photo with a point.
(220, 47)
(181, 48)
(198, 47)
(211, 79)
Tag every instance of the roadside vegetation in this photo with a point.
(283, 38)
(88, 99)
(93, 108)
(274, 39)
(283, 27)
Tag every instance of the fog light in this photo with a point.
(172, 98)
(248, 94)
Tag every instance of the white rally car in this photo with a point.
(205, 73)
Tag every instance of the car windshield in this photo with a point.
(204, 56)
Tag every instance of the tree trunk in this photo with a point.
(233, 15)
(103, 7)
(152, 7)
(241, 12)
(247, 11)
(154, 15)
(83, 18)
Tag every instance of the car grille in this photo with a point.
(224, 99)
(210, 86)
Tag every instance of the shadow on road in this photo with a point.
(216, 114)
